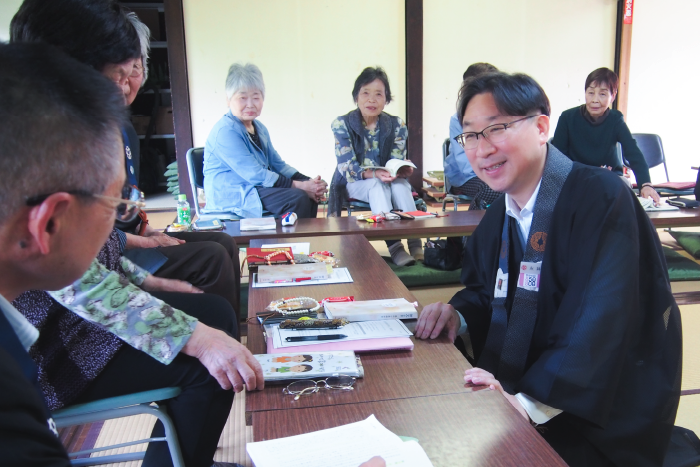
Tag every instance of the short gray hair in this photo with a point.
(241, 77)
(60, 124)
(144, 38)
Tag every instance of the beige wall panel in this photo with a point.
(558, 42)
(664, 68)
(8, 8)
(309, 51)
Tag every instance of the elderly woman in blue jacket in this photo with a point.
(243, 173)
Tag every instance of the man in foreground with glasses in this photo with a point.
(566, 300)
(58, 174)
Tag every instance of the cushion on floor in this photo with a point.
(420, 275)
(690, 241)
(681, 268)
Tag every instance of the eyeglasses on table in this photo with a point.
(308, 386)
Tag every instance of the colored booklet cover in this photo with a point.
(262, 223)
(371, 310)
(293, 272)
(256, 256)
(305, 365)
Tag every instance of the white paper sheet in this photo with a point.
(355, 331)
(297, 248)
(343, 446)
(340, 275)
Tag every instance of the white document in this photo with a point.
(261, 223)
(344, 446)
(297, 248)
(339, 276)
(648, 205)
(355, 331)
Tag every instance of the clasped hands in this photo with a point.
(438, 317)
(315, 188)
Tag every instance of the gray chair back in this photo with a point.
(652, 149)
(195, 167)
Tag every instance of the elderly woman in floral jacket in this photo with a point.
(365, 140)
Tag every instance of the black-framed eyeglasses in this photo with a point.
(127, 207)
(495, 134)
(308, 386)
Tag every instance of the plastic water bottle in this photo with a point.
(183, 210)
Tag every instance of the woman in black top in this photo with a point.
(590, 132)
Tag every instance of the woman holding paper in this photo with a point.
(369, 144)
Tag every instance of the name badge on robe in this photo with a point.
(501, 289)
(529, 277)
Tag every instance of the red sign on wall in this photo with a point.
(629, 6)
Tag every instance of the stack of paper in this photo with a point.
(344, 446)
(262, 223)
(361, 336)
(370, 310)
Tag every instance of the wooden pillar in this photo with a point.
(414, 87)
(179, 85)
(624, 53)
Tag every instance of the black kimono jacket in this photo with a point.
(606, 348)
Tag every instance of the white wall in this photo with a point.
(8, 8)
(664, 96)
(310, 53)
(558, 42)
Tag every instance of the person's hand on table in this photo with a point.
(435, 318)
(225, 358)
(160, 284)
(384, 175)
(376, 461)
(404, 172)
(649, 192)
(476, 377)
(153, 240)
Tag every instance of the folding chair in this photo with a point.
(118, 407)
(456, 199)
(195, 167)
(653, 151)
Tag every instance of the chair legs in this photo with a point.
(145, 408)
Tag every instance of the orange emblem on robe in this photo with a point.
(538, 241)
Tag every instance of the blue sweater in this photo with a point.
(234, 166)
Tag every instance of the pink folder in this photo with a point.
(364, 345)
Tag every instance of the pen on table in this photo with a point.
(298, 279)
(315, 329)
(327, 337)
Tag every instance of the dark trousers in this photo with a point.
(481, 193)
(199, 413)
(209, 261)
(280, 201)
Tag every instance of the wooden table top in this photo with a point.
(457, 223)
(476, 429)
(433, 367)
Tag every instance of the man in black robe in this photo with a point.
(589, 344)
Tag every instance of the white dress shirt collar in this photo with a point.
(26, 333)
(523, 216)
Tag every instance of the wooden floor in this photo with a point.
(236, 434)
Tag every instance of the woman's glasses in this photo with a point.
(307, 386)
(127, 207)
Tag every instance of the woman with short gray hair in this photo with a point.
(243, 173)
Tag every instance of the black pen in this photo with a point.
(327, 337)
